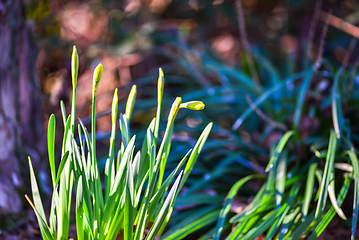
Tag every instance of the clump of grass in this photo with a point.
(309, 170)
(281, 209)
(137, 199)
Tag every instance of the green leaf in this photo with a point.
(336, 108)
(110, 166)
(65, 147)
(37, 206)
(166, 149)
(252, 207)
(275, 78)
(164, 186)
(309, 189)
(61, 167)
(263, 97)
(44, 228)
(199, 213)
(326, 176)
(164, 209)
(125, 132)
(302, 228)
(301, 97)
(63, 112)
(117, 188)
(136, 167)
(198, 199)
(279, 149)
(282, 211)
(261, 225)
(227, 205)
(195, 153)
(289, 221)
(354, 159)
(52, 218)
(319, 175)
(236, 233)
(280, 178)
(332, 197)
(35, 192)
(124, 161)
(89, 148)
(51, 147)
(146, 212)
(331, 213)
(193, 226)
(79, 210)
(129, 205)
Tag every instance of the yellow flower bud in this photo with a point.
(74, 66)
(174, 110)
(193, 105)
(131, 102)
(161, 82)
(114, 107)
(97, 77)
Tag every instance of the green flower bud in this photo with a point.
(160, 85)
(174, 110)
(74, 66)
(193, 105)
(97, 74)
(114, 107)
(131, 102)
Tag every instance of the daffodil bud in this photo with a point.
(114, 107)
(131, 102)
(160, 85)
(193, 105)
(74, 66)
(174, 110)
(97, 77)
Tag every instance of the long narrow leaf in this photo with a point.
(326, 176)
(336, 109)
(309, 189)
(333, 199)
(301, 97)
(281, 178)
(129, 205)
(225, 210)
(354, 159)
(44, 228)
(164, 209)
(51, 147)
(193, 226)
(279, 149)
(329, 216)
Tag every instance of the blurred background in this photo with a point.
(223, 52)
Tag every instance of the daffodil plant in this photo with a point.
(136, 199)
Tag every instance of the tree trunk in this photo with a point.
(21, 119)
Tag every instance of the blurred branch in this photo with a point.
(321, 43)
(349, 52)
(313, 25)
(245, 43)
(340, 24)
(264, 116)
